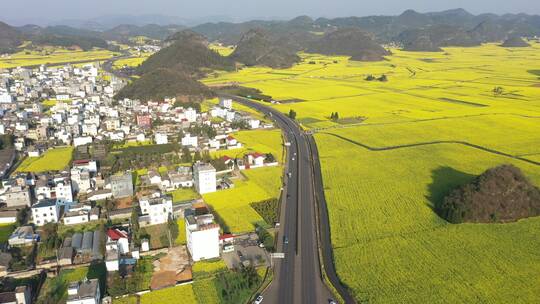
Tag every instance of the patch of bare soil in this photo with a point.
(172, 268)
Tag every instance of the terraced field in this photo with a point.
(52, 56)
(399, 147)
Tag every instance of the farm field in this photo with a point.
(182, 294)
(262, 141)
(232, 205)
(53, 56)
(131, 62)
(52, 160)
(399, 147)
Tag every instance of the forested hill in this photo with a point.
(257, 48)
(174, 70)
(458, 26)
(188, 52)
(349, 42)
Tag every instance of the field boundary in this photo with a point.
(458, 142)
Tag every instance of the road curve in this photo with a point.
(304, 217)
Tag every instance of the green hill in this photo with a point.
(257, 48)
(162, 83)
(187, 53)
(349, 42)
(10, 38)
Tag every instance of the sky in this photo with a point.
(43, 11)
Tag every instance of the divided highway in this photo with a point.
(297, 277)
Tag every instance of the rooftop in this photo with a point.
(45, 203)
(87, 289)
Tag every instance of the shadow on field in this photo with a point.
(443, 181)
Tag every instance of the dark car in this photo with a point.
(285, 240)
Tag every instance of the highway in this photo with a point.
(297, 277)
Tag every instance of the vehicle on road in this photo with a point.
(285, 240)
(240, 254)
(258, 300)
(332, 301)
(287, 144)
(289, 174)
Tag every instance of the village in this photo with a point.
(114, 189)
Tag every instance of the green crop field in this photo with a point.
(52, 160)
(52, 56)
(182, 294)
(5, 232)
(399, 147)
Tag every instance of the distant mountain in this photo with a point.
(62, 35)
(483, 28)
(188, 52)
(515, 41)
(231, 33)
(488, 31)
(10, 38)
(501, 194)
(161, 83)
(153, 31)
(432, 38)
(258, 48)
(349, 42)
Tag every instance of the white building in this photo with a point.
(190, 115)
(161, 139)
(189, 141)
(226, 103)
(45, 211)
(156, 209)
(120, 237)
(80, 180)
(84, 292)
(80, 141)
(77, 214)
(202, 236)
(204, 177)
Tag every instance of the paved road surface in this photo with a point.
(297, 277)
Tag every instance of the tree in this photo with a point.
(186, 155)
(292, 114)
(383, 78)
(197, 156)
(370, 77)
(135, 225)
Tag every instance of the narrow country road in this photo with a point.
(298, 277)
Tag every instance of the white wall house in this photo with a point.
(226, 103)
(161, 139)
(204, 177)
(189, 141)
(84, 292)
(202, 236)
(156, 209)
(45, 211)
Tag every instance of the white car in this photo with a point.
(258, 300)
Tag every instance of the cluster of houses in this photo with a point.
(73, 106)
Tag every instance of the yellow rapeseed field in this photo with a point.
(52, 160)
(401, 145)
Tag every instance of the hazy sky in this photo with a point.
(36, 11)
